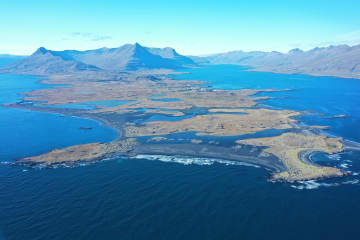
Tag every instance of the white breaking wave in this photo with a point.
(345, 165)
(355, 181)
(6, 162)
(187, 160)
(312, 184)
(335, 157)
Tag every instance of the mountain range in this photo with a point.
(341, 60)
(129, 57)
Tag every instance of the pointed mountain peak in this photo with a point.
(41, 50)
(138, 49)
(137, 45)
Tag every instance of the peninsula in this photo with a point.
(155, 114)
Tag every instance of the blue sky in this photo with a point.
(191, 26)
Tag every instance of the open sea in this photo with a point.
(163, 197)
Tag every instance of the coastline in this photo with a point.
(195, 149)
(335, 75)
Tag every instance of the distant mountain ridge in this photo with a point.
(129, 57)
(341, 60)
(6, 59)
(44, 61)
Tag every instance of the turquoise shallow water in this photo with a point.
(175, 198)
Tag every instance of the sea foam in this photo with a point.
(312, 184)
(355, 181)
(188, 160)
(345, 165)
(335, 157)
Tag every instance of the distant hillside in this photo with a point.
(128, 57)
(342, 61)
(170, 53)
(6, 59)
(45, 61)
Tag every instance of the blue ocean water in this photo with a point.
(143, 199)
(324, 95)
(26, 133)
